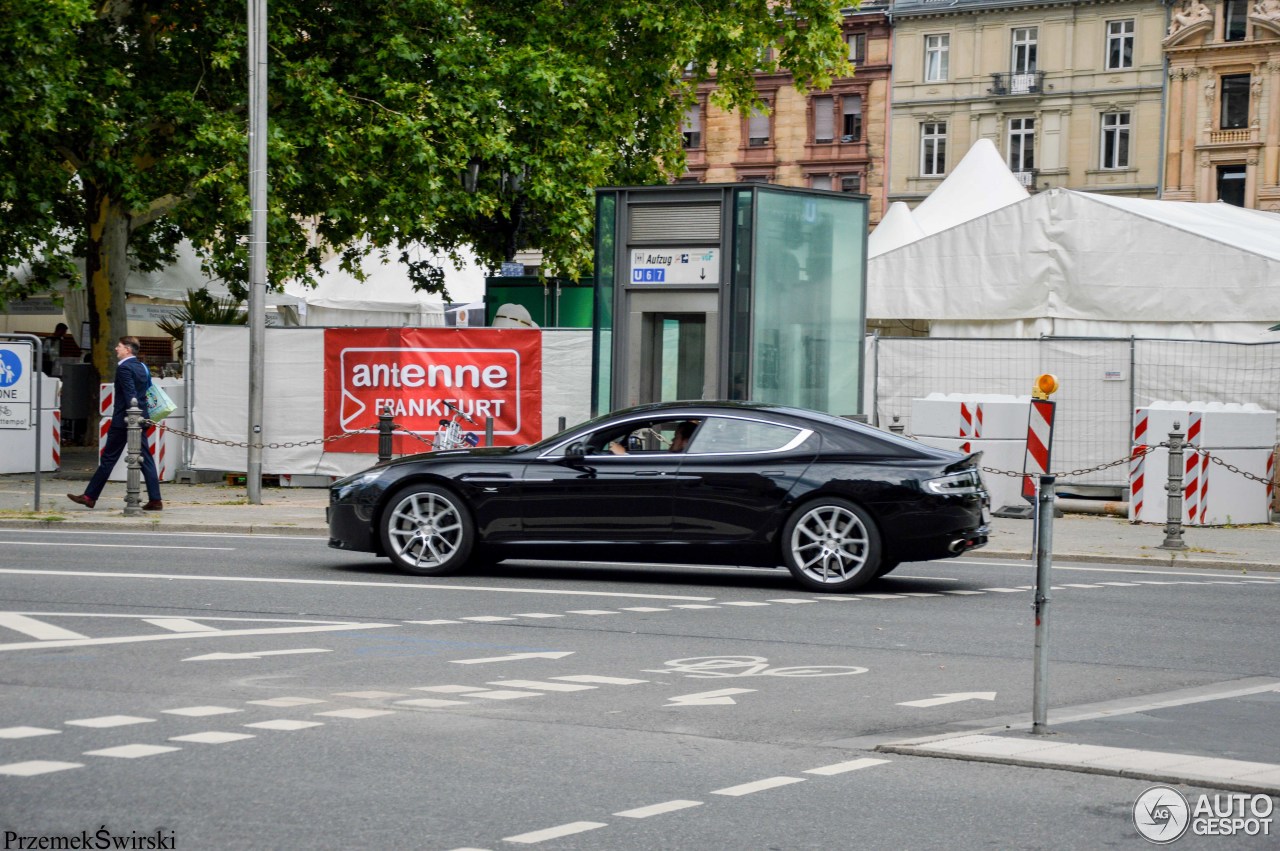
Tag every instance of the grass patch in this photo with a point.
(46, 516)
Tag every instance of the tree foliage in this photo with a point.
(123, 125)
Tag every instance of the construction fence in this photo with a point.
(1102, 382)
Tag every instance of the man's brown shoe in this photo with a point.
(154, 505)
(82, 499)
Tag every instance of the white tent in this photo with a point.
(386, 297)
(979, 184)
(1083, 264)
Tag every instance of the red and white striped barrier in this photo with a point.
(1039, 443)
(1191, 479)
(56, 447)
(970, 424)
(1137, 466)
(156, 440)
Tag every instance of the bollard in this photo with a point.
(561, 424)
(488, 431)
(385, 427)
(133, 458)
(897, 427)
(1044, 560)
(1173, 520)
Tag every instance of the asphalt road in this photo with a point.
(250, 692)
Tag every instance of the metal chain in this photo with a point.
(397, 427)
(1139, 453)
(1232, 467)
(244, 444)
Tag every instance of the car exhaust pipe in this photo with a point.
(958, 546)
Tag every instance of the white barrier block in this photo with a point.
(1222, 497)
(990, 416)
(1222, 426)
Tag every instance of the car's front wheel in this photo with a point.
(830, 544)
(426, 530)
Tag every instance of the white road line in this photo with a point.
(44, 533)
(963, 593)
(284, 724)
(842, 767)
(920, 594)
(591, 612)
(758, 786)
(25, 732)
(342, 583)
(692, 606)
(542, 685)
(110, 721)
(487, 618)
(643, 609)
(368, 695)
(285, 702)
(537, 615)
(36, 766)
(447, 689)
(882, 597)
(356, 714)
(201, 711)
(213, 737)
(504, 694)
(132, 751)
(431, 702)
(434, 623)
(35, 628)
(131, 639)
(1131, 584)
(658, 809)
(1081, 586)
(792, 600)
(536, 836)
(744, 603)
(1005, 590)
(591, 678)
(110, 546)
(180, 625)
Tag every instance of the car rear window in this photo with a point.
(723, 434)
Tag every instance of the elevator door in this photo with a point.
(677, 360)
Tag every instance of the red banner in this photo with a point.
(484, 372)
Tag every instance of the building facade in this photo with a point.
(1070, 92)
(1223, 128)
(834, 139)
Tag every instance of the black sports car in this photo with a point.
(839, 503)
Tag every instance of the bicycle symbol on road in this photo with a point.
(707, 667)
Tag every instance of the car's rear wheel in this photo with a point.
(426, 530)
(830, 544)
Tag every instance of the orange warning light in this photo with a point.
(1046, 386)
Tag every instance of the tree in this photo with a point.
(452, 122)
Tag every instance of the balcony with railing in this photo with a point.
(1005, 84)
(1026, 178)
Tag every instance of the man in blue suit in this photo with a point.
(132, 380)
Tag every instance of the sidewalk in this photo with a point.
(219, 507)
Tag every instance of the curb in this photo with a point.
(1171, 560)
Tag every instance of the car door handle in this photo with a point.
(774, 474)
(647, 473)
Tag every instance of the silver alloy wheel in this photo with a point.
(830, 544)
(425, 530)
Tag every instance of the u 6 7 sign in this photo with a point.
(414, 372)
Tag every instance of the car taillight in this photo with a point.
(962, 483)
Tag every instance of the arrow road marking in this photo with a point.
(720, 697)
(514, 657)
(956, 697)
(257, 654)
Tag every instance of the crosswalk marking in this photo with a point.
(213, 737)
(36, 766)
(541, 685)
(536, 836)
(431, 702)
(110, 721)
(35, 628)
(591, 678)
(180, 625)
(842, 767)
(25, 732)
(132, 751)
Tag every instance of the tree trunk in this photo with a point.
(106, 272)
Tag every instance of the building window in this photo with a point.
(755, 178)
(824, 120)
(1022, 147)
(691, 127)
(820, 181)
(1023, 60)
(851, 125)
(850, 183)
(1115, 140)
(858, 48)
(1231, 180)
(758, 128)
(933, 148)
(937, 58)
(1234, 19)
(1235, 101)
(1119, 44)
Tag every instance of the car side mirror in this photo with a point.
(575, 452)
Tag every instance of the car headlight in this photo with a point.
(344, 487)
(963, 483)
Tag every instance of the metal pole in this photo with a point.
(385, 427)
(133, 458)
(1173, 510)
(257, 240)
(1044, 561)
(488, 431)
(188, 385)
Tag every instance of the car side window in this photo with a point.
(723, 434)
(640, 438)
